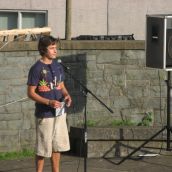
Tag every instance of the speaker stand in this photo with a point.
(167, 127)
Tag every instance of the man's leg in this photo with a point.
(55, 159)
(39, 163)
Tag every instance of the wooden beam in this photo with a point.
(25, 31)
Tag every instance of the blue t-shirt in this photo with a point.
(47, 78)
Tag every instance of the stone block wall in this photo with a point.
(17, 126)
(117, 75)
(114, 71)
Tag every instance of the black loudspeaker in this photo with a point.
(159, 41)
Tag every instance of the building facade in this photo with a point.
(88, 17)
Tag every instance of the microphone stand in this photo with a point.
(85, 92)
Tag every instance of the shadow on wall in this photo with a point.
(77, 70)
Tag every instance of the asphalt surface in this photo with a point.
(158, 163)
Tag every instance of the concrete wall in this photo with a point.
(98, 17)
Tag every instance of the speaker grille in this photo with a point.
(155, 41)
(169, 48)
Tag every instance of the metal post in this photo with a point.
(68, 20)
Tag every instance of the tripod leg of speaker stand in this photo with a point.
(137, 149)
(168, 127)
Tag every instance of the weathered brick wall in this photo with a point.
(114, 71)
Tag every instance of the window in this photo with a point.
(22, 19)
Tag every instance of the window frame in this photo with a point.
(19, 15)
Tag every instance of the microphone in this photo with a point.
(65, 67)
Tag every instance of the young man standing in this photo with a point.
(46, 87)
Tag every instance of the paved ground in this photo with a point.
(159, 163)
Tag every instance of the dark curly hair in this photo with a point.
(44, 42)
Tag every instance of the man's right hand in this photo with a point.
(54, 103)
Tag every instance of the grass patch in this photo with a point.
(122, 123)
(91, 123)
(145, 121)
(17, 155)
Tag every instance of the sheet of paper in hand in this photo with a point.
(60, 110)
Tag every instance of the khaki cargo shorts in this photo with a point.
(51, 135)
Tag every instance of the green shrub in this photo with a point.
(147, 119)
